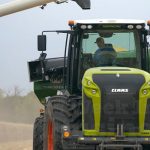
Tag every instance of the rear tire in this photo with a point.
(56, 116)
(38, 134)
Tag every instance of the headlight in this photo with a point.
(83, 27)
(139, 26)
(145, 92)
(130, 26)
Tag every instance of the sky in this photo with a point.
(18, 41)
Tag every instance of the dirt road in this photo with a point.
(15, 136)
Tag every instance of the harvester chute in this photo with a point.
(20, 5)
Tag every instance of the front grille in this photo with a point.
(147, 116)
(88, 113)
(119, 101)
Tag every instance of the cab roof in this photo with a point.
(110, 21)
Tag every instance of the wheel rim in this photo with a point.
(50, 136)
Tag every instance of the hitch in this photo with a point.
(120, 142)
(120, 131)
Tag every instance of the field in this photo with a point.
(15, 136)
(17, 115)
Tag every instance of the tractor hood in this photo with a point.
(114, 70)
(116, 96)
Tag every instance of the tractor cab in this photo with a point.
(127, 38)
(107, 43)
(90, 44)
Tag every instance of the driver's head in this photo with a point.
(100, 42)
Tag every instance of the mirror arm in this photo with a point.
(42, 56)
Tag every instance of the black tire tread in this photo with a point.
(63, 110)
(38, 134)
(76, 112)
(57, 110)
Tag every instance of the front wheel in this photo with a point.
(56, 116)
(38, 134)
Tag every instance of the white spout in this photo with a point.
(19, 5)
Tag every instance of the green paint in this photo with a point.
(44, 89)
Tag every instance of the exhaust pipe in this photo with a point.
(20, 5)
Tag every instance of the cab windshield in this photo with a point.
(117, 48)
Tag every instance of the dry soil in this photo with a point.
(14, 136)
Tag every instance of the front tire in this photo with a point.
(38, 134)
(56, 116)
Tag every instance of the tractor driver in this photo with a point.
(104, 56)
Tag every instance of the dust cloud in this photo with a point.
(17, 115)
(15, 136)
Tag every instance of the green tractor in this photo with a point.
(94, 98)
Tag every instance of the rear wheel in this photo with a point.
(38, 134)
(56, 116)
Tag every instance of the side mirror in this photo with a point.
(84, 4)
(41, 42)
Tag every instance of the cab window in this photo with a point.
(125, 44)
